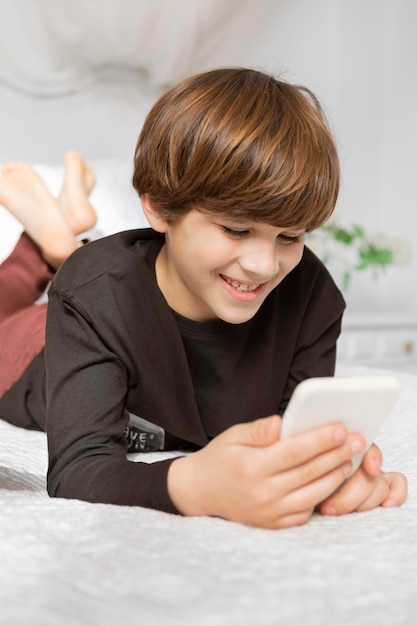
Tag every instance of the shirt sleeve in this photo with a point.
(86, 390)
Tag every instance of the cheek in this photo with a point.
(292, 257)
(299, 253)
(214, 252)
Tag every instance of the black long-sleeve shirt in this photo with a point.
(113, 344)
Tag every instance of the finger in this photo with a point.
(310, 495)
(398, 489)
(304, 458)
(298, 449)
(291, 520)
(372, 461)
(378, 494)
(321, 465)
(360, 493)
(259, 433)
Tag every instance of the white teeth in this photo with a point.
(240, 287)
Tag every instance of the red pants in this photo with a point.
(24, 275)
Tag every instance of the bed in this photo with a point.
(71, 562)
(68, 562)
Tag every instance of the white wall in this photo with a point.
(360, 57)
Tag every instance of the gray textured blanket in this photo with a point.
(69, 562)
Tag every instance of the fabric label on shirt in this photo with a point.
(143, 436)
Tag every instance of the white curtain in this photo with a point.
(56, 46)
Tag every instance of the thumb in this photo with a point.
(372, 461)
(261, 432)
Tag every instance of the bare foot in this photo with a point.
(73, 198)
(24, 194)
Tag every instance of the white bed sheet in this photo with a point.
(69, 562)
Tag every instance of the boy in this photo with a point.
(193, 333)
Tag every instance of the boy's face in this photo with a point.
(214, 268)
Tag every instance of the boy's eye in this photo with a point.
(237, 234)
(287, 239)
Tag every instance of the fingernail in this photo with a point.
(266, 425)
(328, 510)
(346, 467)
(340, 435)
(357, 446)
(377, 464)
(389, 504)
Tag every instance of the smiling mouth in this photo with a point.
(241, 286)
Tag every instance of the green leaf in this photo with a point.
(374, 256)
(358, 232)
(343, 236)
(346, 280)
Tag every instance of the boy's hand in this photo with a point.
(367, 488)
(248, 475)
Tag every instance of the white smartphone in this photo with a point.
(362, 403)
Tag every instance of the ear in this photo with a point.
(153, 215)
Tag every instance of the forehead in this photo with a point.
(244, 218)
(248, 223)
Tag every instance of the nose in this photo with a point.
(260, 259)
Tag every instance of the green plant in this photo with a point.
(352, 249)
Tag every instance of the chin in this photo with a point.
(238, 318)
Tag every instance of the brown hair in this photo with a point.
(241, 143)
